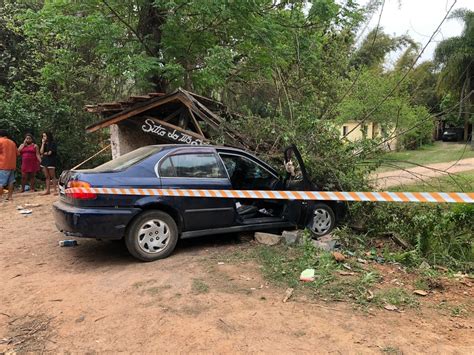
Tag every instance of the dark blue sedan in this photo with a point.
(152, 225)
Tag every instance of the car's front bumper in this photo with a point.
(101, 223)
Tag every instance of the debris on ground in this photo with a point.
(292, 237)
(23, 211)
(338, 256)
(326, 243)
(362, 261)
(346, 273)
(268, 238)
(424, 266)
(390, 307)
(307, 275)
(288, 293)
(420, 293)
(68, 243)
(30, 205)
(400, 241)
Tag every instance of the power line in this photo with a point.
(403, 77)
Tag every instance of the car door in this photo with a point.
(247, 173)
(198, 169)
(297, 179)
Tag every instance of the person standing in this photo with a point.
(8, 154)
(48, 153)
(30, 162)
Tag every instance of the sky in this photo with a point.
(419, 19)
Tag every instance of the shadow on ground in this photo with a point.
(92, 253)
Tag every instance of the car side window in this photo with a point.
(202, 165)
(245, 174)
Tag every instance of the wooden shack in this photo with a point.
(179, 117)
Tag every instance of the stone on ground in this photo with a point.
(292, 237)
(268, 238)
(326, 243)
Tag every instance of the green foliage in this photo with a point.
(455, 58)
(439, 234)
(376, 46)
(283, 265)
(395, 296)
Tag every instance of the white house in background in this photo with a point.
(354, 131)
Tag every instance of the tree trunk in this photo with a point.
(151, 18)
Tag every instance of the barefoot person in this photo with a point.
(48, 152)
(30, 162)
(8, 154)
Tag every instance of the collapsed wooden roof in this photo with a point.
(201, 113)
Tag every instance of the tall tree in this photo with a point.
(455, 56)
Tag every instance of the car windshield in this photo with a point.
(127, 160)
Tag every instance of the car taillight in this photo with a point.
(74, 190)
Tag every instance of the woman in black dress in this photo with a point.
(48, 153)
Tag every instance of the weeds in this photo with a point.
(453, 309)
(395, 296)
(391, 350)
(282, 265)
(199, 286)
(438, 234)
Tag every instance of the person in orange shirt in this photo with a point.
(8, 154)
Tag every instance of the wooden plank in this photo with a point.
(140, 97)
(195, 122)
(172, 115)
(133, 111)
(156, 94)
(190, 103)
(197, 97)
(200, 106)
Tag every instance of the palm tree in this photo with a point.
(455, 57)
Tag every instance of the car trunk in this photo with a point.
(94, 180)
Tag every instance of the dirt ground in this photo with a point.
(419, 173)
(95, 297)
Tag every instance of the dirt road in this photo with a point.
(95, 297)
(418, 174)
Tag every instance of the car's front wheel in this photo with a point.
(151, 236)
(322, 220)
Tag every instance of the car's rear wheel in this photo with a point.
(322, 221)
(151, 236)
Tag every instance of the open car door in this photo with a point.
(297, 176)
(296, 180)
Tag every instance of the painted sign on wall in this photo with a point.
(169, 132)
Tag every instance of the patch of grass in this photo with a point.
(428, 280)
(299, 333)
(155, 290)
(395, 296)
(454, 309)
(199, 286)
(391, 350)
(422, 283)
(438, 152)
(143, 283)
(282, 265)
(459, 182)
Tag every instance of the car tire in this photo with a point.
(151, 236)
(322, 220)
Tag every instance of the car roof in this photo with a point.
(204, 148)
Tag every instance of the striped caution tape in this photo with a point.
(449, 197)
